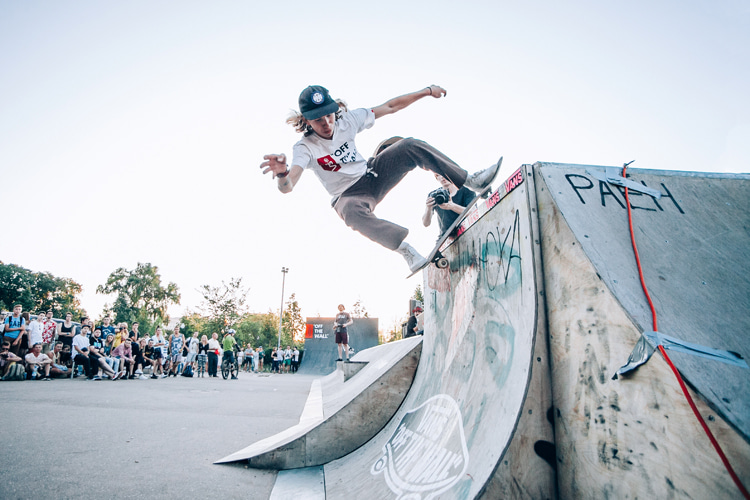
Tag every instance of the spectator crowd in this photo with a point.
(42, 348)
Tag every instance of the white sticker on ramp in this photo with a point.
(427, 454)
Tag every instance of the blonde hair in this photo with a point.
(300, 124)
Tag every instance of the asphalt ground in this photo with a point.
(141, 438)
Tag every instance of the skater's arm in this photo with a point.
(286, 178)
(400, 102)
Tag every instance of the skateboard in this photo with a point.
(435, 256)
(468, 217)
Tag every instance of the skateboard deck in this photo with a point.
(468, 217)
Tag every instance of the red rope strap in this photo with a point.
(708, 432)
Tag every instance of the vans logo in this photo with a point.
(427, 454)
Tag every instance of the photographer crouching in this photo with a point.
(448, 201)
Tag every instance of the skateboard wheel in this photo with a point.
(442, 263)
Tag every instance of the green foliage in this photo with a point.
(418, 294)
(224, 305)
(38, 291)
(359, 311)
(140, 296)
(293, 324)
(259, 330)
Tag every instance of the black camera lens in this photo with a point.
(441, 196)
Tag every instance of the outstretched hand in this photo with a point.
(274, 163)
(437, 91)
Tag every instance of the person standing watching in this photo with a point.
(65, 335)
(213, 355)
(228, 345)
(36, 329)
(15, 327)
(340, 325)
(49, 333)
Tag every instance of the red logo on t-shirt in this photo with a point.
(329, 164)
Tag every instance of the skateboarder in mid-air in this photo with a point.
(357, 185)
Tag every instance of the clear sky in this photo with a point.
(133, 131)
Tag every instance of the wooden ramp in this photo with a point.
(636, 437)
(474, 423)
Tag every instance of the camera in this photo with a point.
(440, 195)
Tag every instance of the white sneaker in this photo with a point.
(143, 377)
(478, 181)
(96, 377)
(411, 256)
(139, 372)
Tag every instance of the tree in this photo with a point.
(295, 323)
(225, 304)
(259, 329)
(418, 295)
(359, 311)
(140, 295)
(38, 291)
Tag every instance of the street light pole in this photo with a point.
(284, 270)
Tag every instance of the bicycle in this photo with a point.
(230, 367)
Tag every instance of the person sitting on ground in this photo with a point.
(107, 348)
(98, 359)
(149, 355)
(58, 368)
(37, 362)
(11, 366)
(124, 354)
(135, 347)
(358, 185)
(228, 345)
(448, 212)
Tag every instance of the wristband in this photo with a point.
(430, 89)
(283, 174)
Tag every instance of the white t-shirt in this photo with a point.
(35, 330)
(81, 341)
(336, 162)
(30, 358)
(163, 348)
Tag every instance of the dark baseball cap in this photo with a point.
(315, 101)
